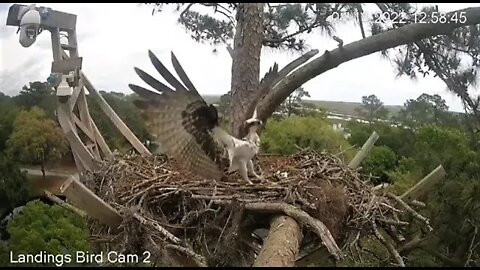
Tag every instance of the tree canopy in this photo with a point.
(43, 228)
(372, 108)
(14, 185)
(36, 139)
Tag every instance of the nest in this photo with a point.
(169, 211)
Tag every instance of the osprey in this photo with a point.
(188, 129)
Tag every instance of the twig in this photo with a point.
(199, 259)
(230, 51)
(414, 213)
(339, 40)
(360, 22)
(387, 244)
(393, 222)
(418, 203)
(471, 247)
(157, 227)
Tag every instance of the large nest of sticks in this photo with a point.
(171, 212)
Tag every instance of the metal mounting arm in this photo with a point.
(56, 22)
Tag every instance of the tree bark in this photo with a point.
(282, 244)
(246, 62)
(357, 49)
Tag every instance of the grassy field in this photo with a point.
(332, 106)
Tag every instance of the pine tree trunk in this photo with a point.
(246, 62)
(282, 244)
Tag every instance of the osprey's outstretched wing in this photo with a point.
(182, 122)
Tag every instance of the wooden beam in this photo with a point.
(362, 154)
(83, 198)
(117, 121)
(424, 185)
(66, 66)
(83, 127)
(56, 50)
(85, 118)
(78, 162)
(73, 98)
(72, 43)
(76, 144)
(101, 141)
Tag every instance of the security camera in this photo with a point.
(64, 89)
(29, 25)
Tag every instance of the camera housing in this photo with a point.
(29, 26)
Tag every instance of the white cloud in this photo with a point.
(113, 38)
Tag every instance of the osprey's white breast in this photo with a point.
(244, 149)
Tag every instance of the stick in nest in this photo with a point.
(414, 213)
(303, 217)
(157, 227)
(389, 245)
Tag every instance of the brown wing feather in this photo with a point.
(181, 122)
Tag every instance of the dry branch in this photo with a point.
(63, 204)
(157, 227)
(329, 200)
(389, 245)
(304, 218)
(331, 59)
(414, 213)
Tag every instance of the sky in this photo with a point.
(115, 38)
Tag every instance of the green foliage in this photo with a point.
(436, 145)
(377, 255)
(426, 109)
(8, 113)
(127, 111)
(14, 185)
(36, 139)
(378, 163)
(52, 229)
(38, 94)
(281, 136)
(398, 139)
(454, 206)
(224, 104)
(372, 108)
(421, 258)
(404, 176)
(293, 103)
